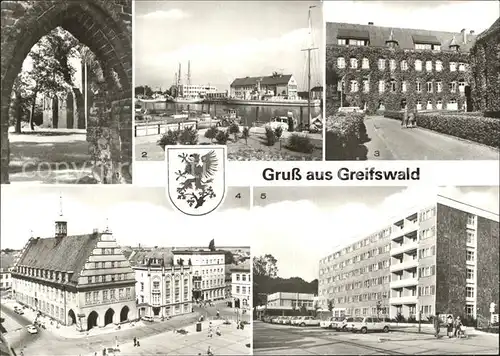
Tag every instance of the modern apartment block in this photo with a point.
(442, 258)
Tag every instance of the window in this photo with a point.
(89, 279)
(469, 292)
(471, 236)
(341, 41)
(366, 63)
(469, 310)
(340, 62)
(470, 256)
(87, 297)
(354, 86)
(419, 87)
(243, 277)
(354, 63)
(381, 64)
(470, 273)
(357, 42)
(453, 87)
(439, 104)
(156, 285)
(418, 65)
(461, 86)
(392, 64)
(461, 67)
(403, 86)
(439, 66)
(366, 85)
(404, 65)
(471, 220)
(453, 67)
(238, 289)
(142, 286)
(237, 277)
(429, 87)
(428, 66)
(393, 85)
(439, 86)
(381, 86)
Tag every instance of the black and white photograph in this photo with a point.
(412, 80)
(116, 270)
(66, 92)
(244, 74)
(375, 270)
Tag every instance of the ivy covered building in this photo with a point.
(485, 70)
(382, 68)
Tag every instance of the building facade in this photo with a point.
(485, 82)
(241, 285)
(209, 273)
(163, 289)
(285, 303)
(218, 95)
(381, 68)
(442, 258)
(194, 90)
(7, 260)
(257, 88)
(81, 280)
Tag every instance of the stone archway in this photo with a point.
(71, 317)
(105, 27)
(124, 313)
(92, 320)
(108, 317)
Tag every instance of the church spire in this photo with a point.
(391, 41)
(61, 225)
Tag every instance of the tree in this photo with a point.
(316, 308)
(303, 310)
(144, 90)
(331, 305)
(211, 245)
(228, 257)
(265, 266)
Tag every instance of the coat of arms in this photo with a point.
(196, 178)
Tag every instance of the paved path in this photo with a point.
(272, 339)
(390, 142)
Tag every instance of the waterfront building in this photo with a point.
(485, 55)
(383, 68)
(163, 287)
(218, 95)
(194, 90)
(439, 258)
(282, 85)
(241, 285)
(208, 272)
(81, 280)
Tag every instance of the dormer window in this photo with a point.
(341, 41)
(340, 62)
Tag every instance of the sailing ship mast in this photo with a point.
(189, 73)
(309, 49)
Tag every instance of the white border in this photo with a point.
(133, 92)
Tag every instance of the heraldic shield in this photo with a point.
(196, 178)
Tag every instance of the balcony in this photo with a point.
(408, 264)
(405, 247)
(409, 299)
(398, 231)
(404, 283)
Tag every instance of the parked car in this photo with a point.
(19, 311)
(327, 324)
(32, 329)
(307, 321)
(292, 319)
(279, 121)
(276, 320)
(370, 323)
(148, 318)
(342, 324)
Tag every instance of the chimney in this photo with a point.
(370, 23)
(472, 32)
(464, 35)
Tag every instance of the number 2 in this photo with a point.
(144, 154)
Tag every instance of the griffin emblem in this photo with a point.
(194, 173)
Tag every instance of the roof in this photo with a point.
(60, 254)
(195, 252)
(405, 37)
(245, 266)
(141, 257)
(495, 27)
(269, 80)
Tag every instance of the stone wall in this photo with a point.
(105, 26)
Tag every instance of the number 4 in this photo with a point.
(238, 196)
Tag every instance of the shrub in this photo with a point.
(169, 138)
(278, 131)
(234, 129)
(245, 134)
(299, 143)
(188, 136)
(270, 136)
(345, 136)
(211, 133)
(222, 137)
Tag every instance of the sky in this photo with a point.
(299, 226)
(135, 215)
(449, 16)
(224, 40)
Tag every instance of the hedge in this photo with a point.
(479, 129)
(345, 136)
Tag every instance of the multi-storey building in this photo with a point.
(7, 260)
(81, 280)
(379, 68)
(208, 272)
(442, 258)
(194, 90)
(163, 288)
(257, 87)
(285, 303)
(241, 282)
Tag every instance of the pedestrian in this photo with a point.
(404, 120)
(450, 326)
(218, 314)
(138, 344)
(217, 332)
(135, 341)
(437, 325)
(209, 351)
(458, 324)
(414, 120)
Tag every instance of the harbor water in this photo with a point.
(248, 113)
